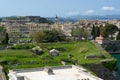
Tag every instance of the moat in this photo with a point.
(117, 56)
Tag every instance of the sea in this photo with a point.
(117, 56)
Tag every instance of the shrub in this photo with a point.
(22, 46)
(84, 51)
(110, 64)
(34, 55)
(3, 62)
(27, 47)
(60, 49)
(12, 47)
(67, 60)
(48, 58)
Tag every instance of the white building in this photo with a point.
(58, 73)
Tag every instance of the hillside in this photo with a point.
(24, 58)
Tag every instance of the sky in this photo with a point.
(62, 8)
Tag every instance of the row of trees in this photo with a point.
(48, 36)
(106, 31)
(95, 31)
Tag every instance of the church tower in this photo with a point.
(56, 24)
(56, 19)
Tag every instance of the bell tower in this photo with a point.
(56, 19)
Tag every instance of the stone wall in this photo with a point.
(103, 72)
(40, 69)
(112, 46)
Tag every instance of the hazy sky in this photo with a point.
(50, 8)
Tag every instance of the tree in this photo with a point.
(5, 41)
(2, 33)
(108, 30)
(118, 36)
(48, 36)
(83, 33)
(80, 33)
(54, 36)
(39, 36)
(95, 31)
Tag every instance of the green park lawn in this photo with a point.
(24, 58)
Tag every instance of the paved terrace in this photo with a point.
(59, 73)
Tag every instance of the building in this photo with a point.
(54, 52)
(27, 27)
(54, 73)
(101, 40)
(21, 32)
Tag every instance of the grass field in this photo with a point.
(26, 59)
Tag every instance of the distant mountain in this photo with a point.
(95, 17)
(36, 19)
(90, 17)
(61, 19)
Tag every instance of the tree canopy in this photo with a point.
(80, 33)
(108, 30)
(118, 36)
(54, 36)
(48, 36)
(2, 29)
(38, 36)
